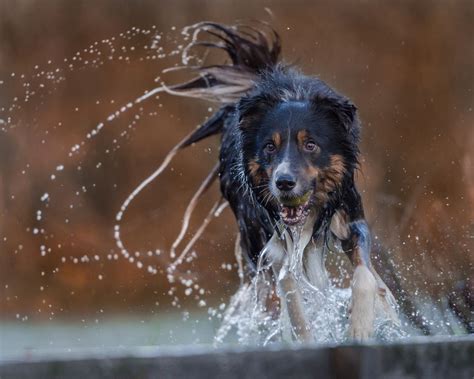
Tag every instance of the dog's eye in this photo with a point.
(270, 147)
(310, 146)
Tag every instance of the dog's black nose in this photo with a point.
(285, 183)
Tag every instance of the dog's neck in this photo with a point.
(297, 243)
(292, 238)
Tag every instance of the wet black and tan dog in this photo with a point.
(288, 155)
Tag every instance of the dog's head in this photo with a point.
(298, 150)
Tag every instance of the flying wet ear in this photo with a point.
(252, 107)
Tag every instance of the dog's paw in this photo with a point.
(362, 316)
(361, 325)
(360, 331)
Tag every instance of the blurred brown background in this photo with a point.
(406, 64)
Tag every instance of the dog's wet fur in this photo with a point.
(288, 156)
(296, 141)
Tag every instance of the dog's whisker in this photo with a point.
(267, 198)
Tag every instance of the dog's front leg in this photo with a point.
(364, 284)
(289, 293)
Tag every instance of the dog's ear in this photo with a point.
(252, 107)
(345, 112)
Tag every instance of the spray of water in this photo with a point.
(256, 313)
(325, 305)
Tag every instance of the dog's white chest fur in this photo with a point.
(297, 253)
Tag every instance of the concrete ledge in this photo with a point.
(428, 357)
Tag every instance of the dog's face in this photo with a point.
(297, 158)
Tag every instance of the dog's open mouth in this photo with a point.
(293, 211)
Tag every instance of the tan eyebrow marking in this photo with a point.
(276, 137)
(302, 136)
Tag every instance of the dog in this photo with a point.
(289, 152)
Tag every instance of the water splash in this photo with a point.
(253, 315)
(326, 306)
